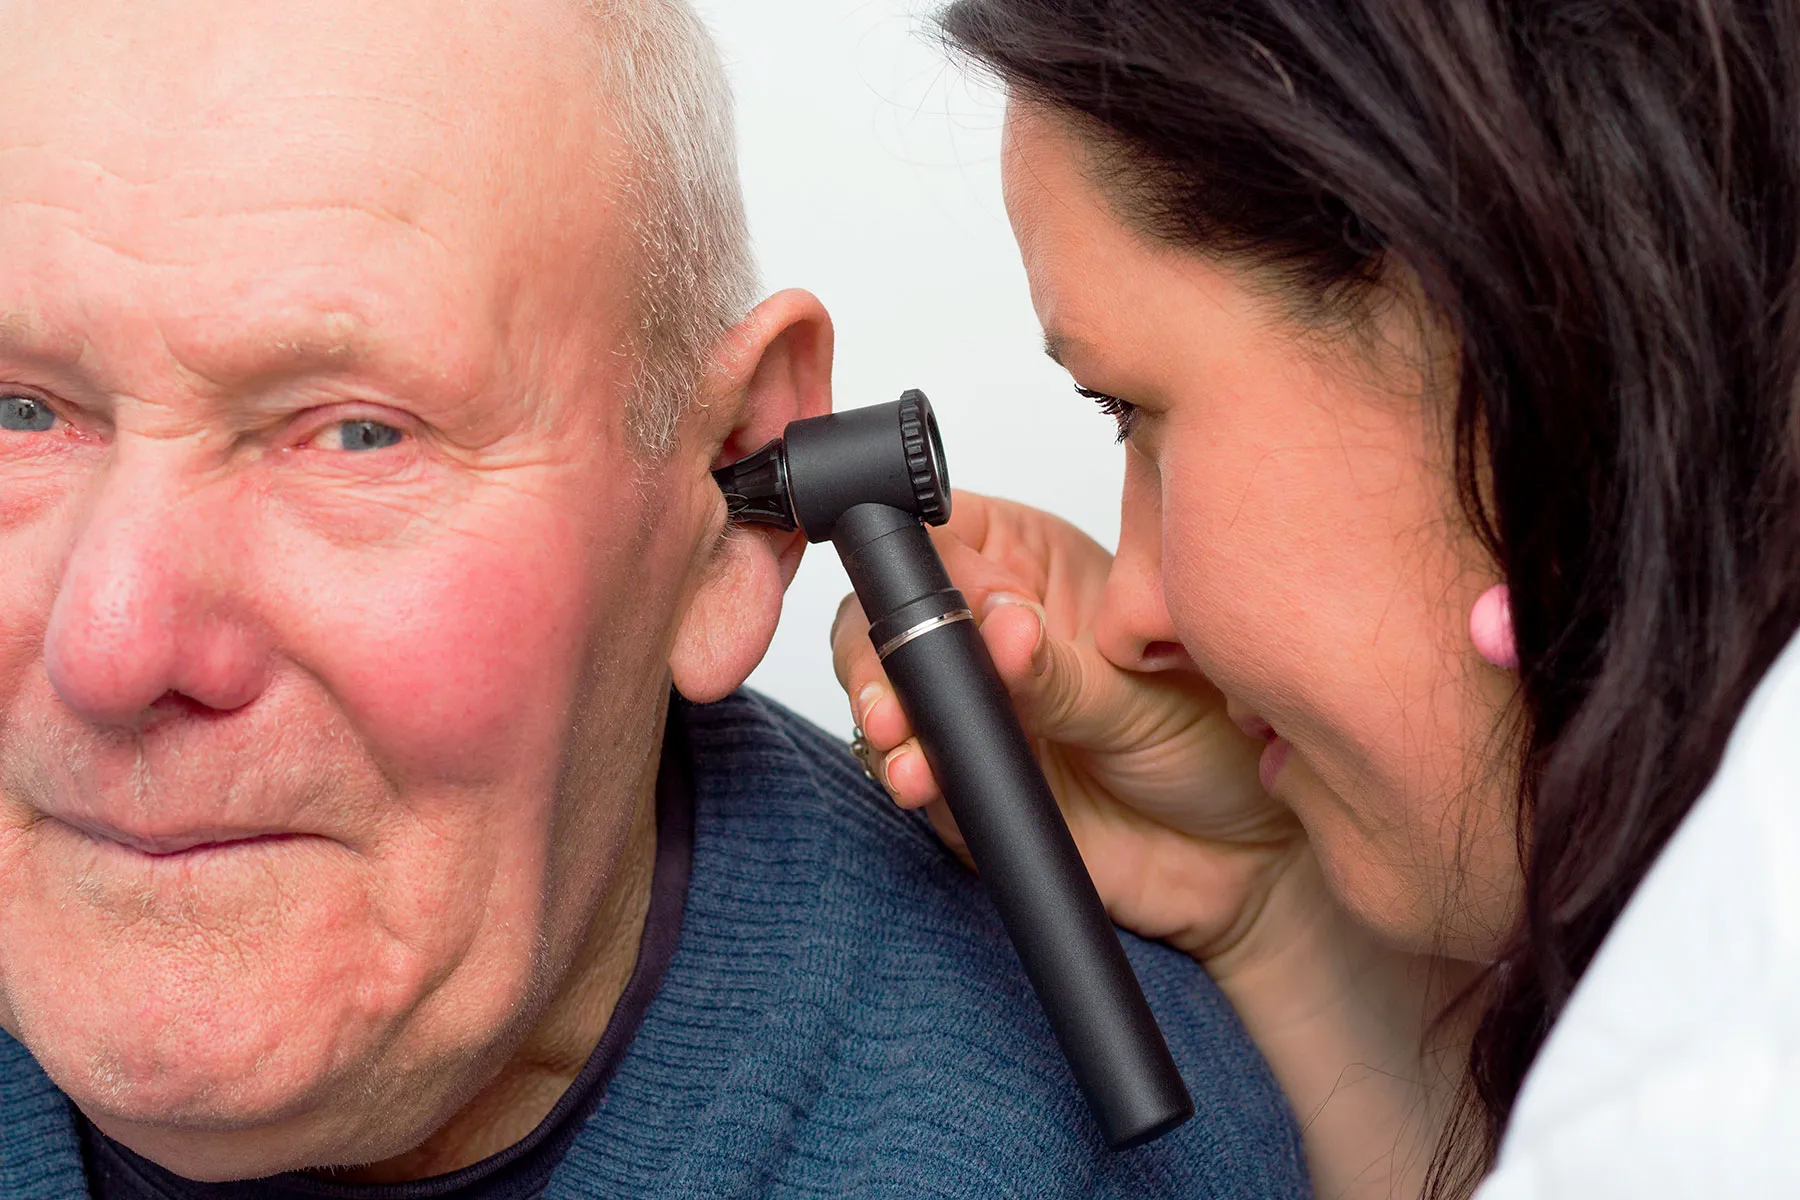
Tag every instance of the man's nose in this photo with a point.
(149, 609)
(1133, 628)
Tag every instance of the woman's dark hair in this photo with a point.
(1602, 200)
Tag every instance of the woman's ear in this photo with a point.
(772, 369)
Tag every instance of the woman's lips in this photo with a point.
(1268, 767)
(1256, 727)
(1275, 753)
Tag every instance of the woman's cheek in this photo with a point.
(1231, 592)
(1319, 601)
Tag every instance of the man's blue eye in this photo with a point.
(22, 414)
(368, 435)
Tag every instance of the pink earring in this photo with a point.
(1491, 628)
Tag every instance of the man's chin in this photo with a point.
(264, 1009)
(277, 1092)
(148, 1063)
(312, 1141)
(202, 1030)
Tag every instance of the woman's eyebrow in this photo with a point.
(1062, 347)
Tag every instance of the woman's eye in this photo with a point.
(1122, 411)
(22, 414)
(359, 437)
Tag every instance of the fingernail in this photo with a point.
(838, 618)
(866, 700)
(887, 765)
(1003, 599)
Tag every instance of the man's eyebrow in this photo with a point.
(332, 341)
(15, 331)
(24, 334)
(340, 338)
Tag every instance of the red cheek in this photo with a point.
(456, 658)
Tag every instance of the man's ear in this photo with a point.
(773, 368)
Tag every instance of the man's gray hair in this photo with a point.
(663, 75)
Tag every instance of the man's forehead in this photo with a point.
(194, 51)
(253, 159)
(160, 68)
(203, 105)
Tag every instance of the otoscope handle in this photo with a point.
(960, 710)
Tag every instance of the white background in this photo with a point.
(871, 171)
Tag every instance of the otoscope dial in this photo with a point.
(924, 448)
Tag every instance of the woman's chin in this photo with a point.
(1397, 873)
(1414, 915)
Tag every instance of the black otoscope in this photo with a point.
(869, 481)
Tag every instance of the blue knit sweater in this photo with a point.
(843, 1017)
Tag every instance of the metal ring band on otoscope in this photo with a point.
(921, 629)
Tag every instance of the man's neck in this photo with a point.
(544, 1066)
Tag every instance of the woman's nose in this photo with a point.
(1132, 628)
(148, 617)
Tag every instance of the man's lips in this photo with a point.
(168, 845)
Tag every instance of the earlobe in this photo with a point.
(774, 368)
(731, 620)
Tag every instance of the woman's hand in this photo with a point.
(1160, 790)
(1158, 785)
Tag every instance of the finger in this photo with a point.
(970, 515)
(1053, 560)
(849, 629)
(873, 706)
(1066, 690)
(1017, 632)
(908, 776)
(977, 576)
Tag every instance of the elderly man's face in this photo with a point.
(335, 617)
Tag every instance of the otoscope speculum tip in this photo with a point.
(890, 454)
(756, 488)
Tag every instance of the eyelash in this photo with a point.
(1122, 411)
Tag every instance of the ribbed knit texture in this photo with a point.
(39, 1158)
(843, 1018)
